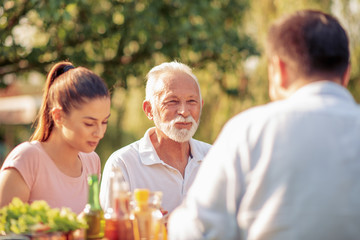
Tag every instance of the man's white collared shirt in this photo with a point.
(142, 168)
(288, 170)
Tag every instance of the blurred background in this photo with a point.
(121, 40)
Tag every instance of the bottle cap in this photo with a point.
(141, 195)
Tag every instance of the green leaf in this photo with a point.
(21, 218)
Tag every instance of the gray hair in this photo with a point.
(154, 75)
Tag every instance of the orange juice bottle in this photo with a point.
(142, 215)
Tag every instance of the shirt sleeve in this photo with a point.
(25, 159)
(104, 187)
(113, 161)
(210, 209)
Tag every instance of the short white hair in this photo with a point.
(154, 75)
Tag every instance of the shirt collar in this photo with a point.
(148, 155)
(324, 88)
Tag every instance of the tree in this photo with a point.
(348, 13)
(257, 21)
(122, 40)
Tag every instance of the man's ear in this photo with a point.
(57, 115)
(282, 71)
(346, 76)
(278, 78)
(148, 109)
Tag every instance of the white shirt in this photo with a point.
(287, 170)
(142, 168)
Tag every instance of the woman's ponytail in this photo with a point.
(44, 121)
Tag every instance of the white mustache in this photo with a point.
(182, 119)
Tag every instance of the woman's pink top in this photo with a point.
(47, 182)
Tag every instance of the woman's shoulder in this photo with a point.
(28, 149)
(25, 157)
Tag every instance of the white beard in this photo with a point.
(169, 129)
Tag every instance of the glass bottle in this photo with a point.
(93, 213)
(142, 215)
(125, 223)
(111, 212)
(158, 225)
(117, 216)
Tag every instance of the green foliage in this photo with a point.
(348, 13)
(24, 218)
(121, 40)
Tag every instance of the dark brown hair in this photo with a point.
(310, 42)
(67, 87)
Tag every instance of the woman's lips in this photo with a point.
(93, 144)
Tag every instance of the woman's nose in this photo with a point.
(99, 131)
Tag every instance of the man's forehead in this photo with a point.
(174, 79)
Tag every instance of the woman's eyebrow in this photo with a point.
(92, 118)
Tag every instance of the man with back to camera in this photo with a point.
(167, 158)
(289, 169)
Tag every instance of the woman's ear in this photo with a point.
(148, 109)
(57, 115)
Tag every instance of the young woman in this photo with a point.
(55, 163)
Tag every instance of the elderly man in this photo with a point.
(289, 169)
(167, 158)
